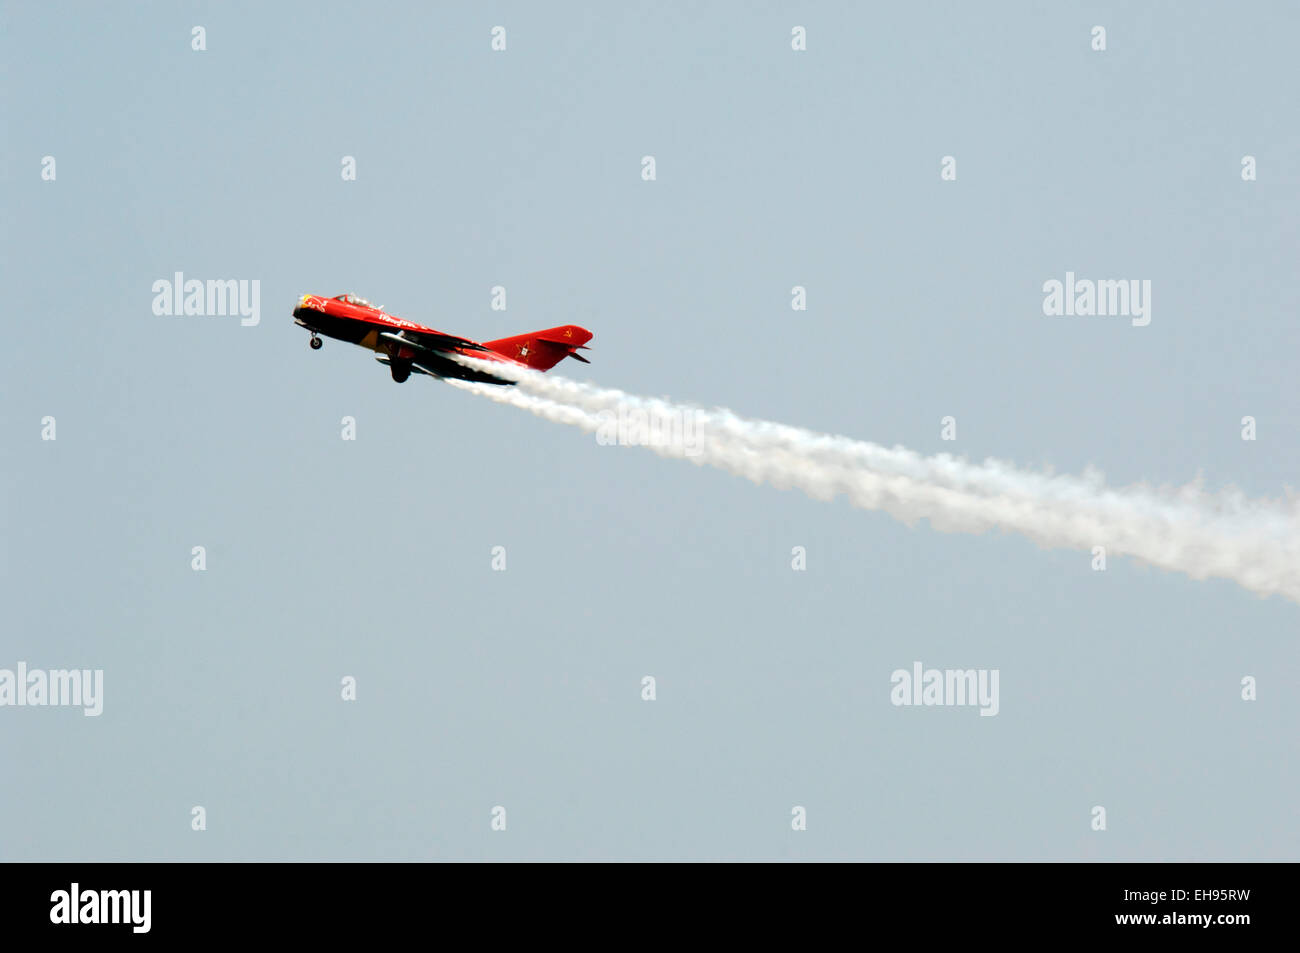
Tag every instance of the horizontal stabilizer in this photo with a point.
(542, 350)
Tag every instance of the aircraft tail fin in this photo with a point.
(542, 350)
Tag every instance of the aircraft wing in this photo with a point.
(424, 341)
(436, 365)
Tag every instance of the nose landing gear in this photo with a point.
(316, 343)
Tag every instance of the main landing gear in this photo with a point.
(316, 343)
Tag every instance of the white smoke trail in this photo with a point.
(1255, 543)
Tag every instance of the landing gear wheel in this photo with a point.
(316, 343)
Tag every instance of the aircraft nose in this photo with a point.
(305, 305)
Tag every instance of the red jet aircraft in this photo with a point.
(406, 346)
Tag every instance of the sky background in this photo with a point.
(372, 558)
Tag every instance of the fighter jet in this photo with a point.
(406, 346)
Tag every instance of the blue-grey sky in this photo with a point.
(522, 168)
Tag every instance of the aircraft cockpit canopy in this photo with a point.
(354, 299)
